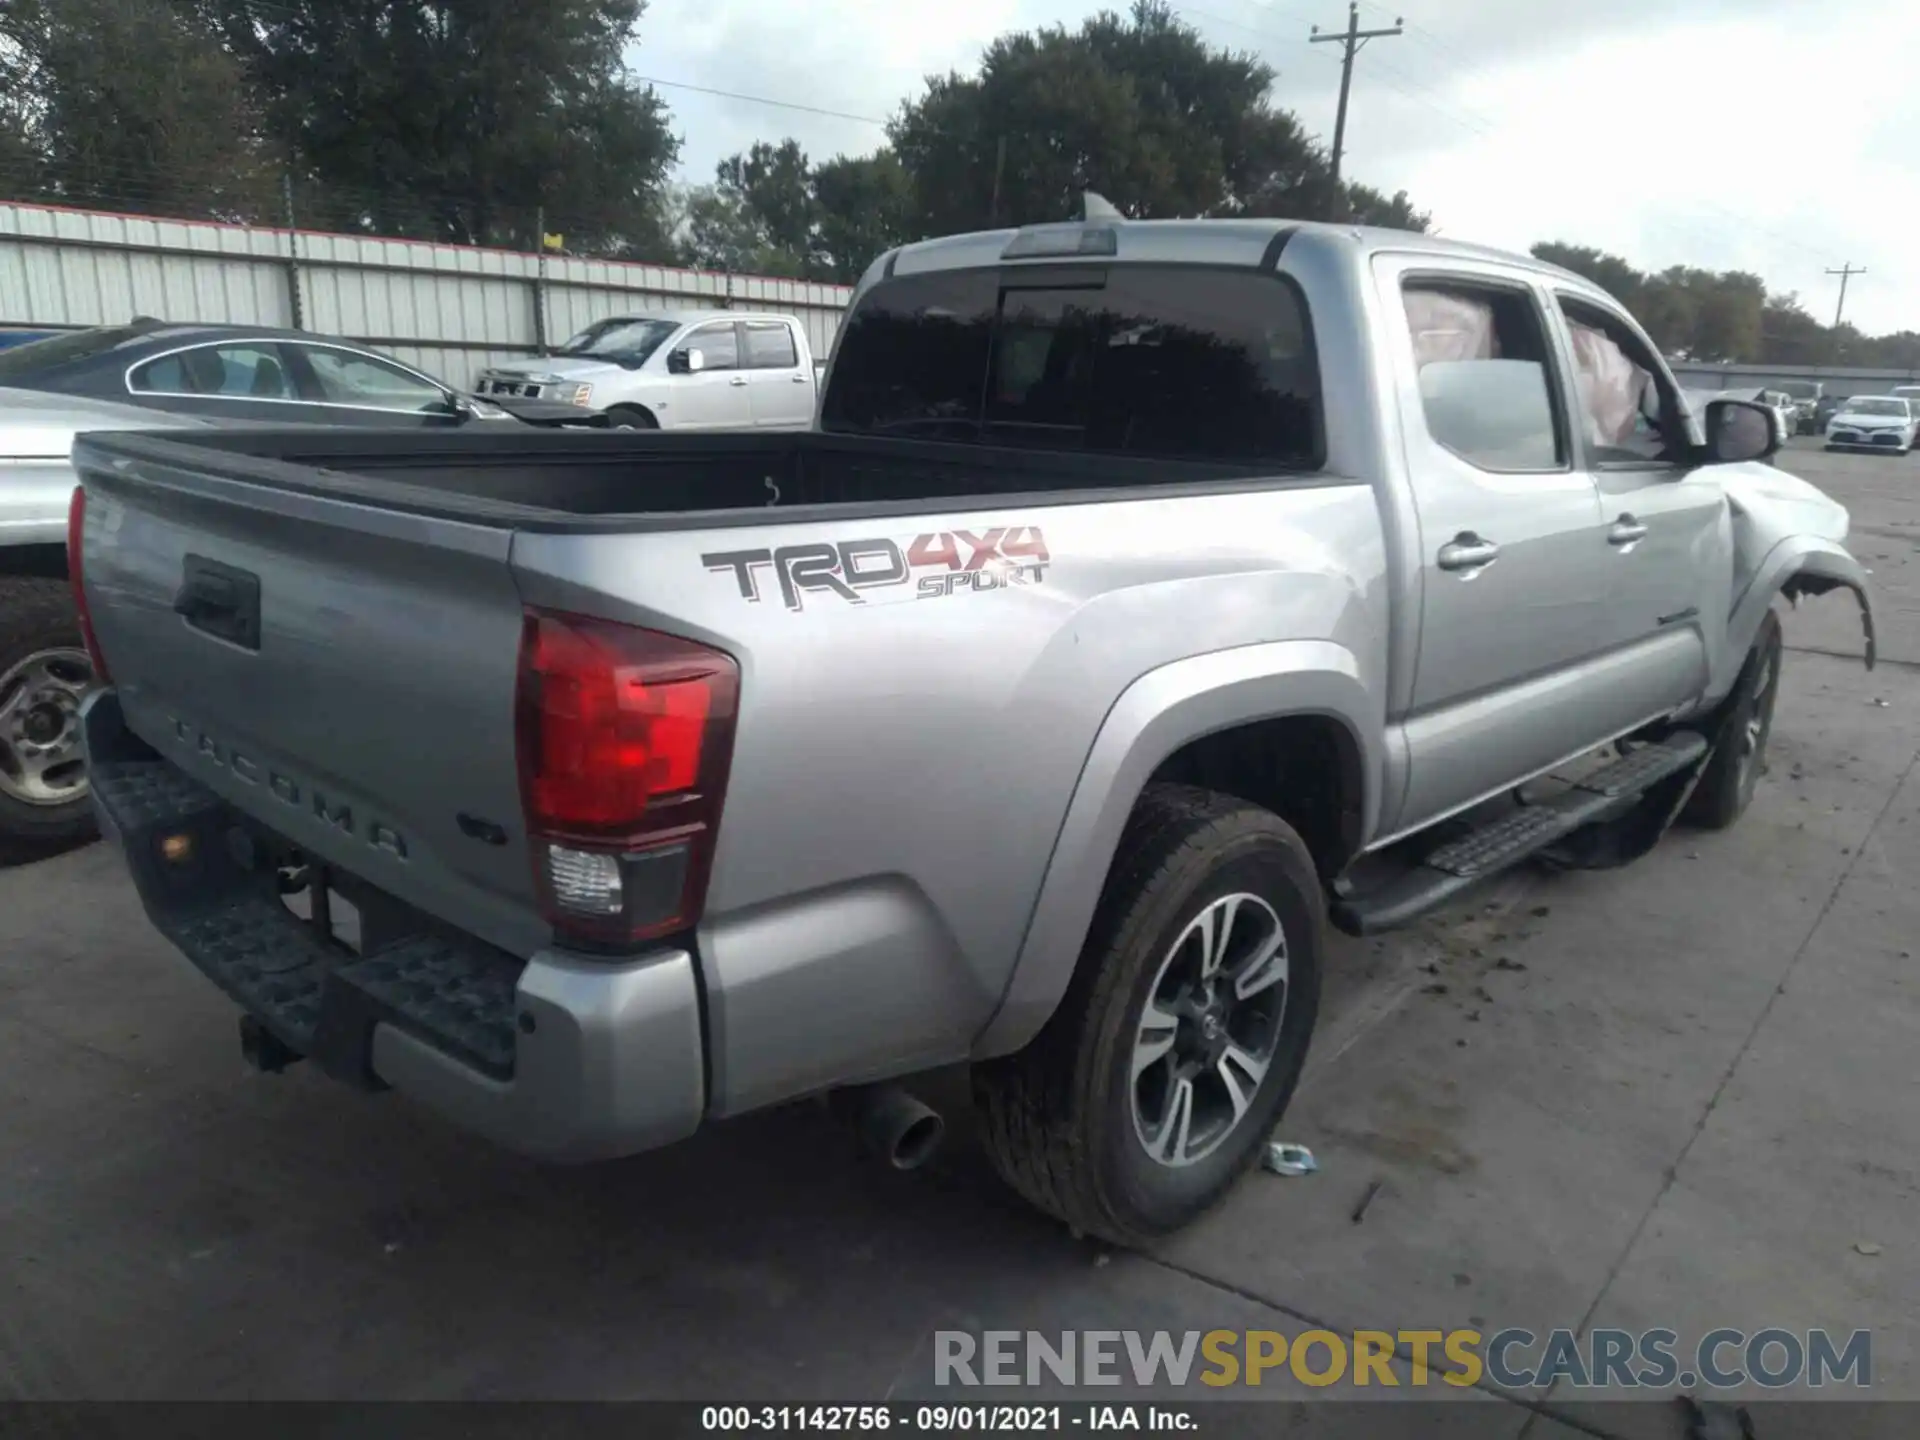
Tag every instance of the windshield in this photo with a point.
(628, 342)
(1880, 407)
(36, 357)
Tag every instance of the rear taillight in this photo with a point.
(624, 738)
(76, 574)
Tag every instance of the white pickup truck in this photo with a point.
(676, 370)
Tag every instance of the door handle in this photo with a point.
(1467, 551)
(799, 379)
(1626, 531)
(738, 380)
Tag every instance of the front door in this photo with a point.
(782, 394)
(1669, 546)
(1513, 575)
(350, 387)
(716, 396)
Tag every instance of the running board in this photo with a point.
(1519, 835)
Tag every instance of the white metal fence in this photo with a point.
(448, 309)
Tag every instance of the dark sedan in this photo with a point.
(250, 373)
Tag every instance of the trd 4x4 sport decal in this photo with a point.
(927, 567)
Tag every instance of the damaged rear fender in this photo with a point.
(1800, 565)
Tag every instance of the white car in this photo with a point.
(1873, 422)
(676, 370)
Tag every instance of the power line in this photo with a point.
(1352, 41)
(760, 100)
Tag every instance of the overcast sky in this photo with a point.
(1777, 136)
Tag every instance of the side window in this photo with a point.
(1629, 416)
(770, 346)
(719, 344)
(349, 379)
(1486, 381)
(238, 371)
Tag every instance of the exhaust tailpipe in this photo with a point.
(890, 1123)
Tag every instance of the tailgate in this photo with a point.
(340, 671)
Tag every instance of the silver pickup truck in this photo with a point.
(1145, 594)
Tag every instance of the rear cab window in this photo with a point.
(1156, 361)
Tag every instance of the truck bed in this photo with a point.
(625, 479)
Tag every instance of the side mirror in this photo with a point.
(1739, 430)
(696, 361)
(676, 362)
(459, 405)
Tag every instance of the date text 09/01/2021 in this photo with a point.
(943, 1419)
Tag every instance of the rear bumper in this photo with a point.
(562, 1057)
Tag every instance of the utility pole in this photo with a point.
(293, 252)
(999, 168)
(1846, 273)
(1352, 40)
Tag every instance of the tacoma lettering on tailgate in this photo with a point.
(289, 791)
(925, 567)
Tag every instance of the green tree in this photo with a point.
(773, 184)
(462, 121)
(127, 104)
(1790, 336)
(1139, 108)
(771, 210)
(864, 208)
(1609, 272)
(1367, 206)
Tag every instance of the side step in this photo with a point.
(1503, 843)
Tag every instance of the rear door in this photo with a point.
(781, 390)
(1668, 537)
(240, 379)
(1514, 575)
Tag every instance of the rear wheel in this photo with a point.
(631, 417)
(1182, 1034)
(44, 674)
(1726, 788)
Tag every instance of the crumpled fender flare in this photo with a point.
(1800, 565)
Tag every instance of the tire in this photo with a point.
(1726, 788)
(1065, 1122)
(43, 669)
(631, 417)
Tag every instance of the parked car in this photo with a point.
(1910, 394)
(44, 669)
(1824, 410)
(1805, 395)
(1782, 405)
(249, 373)
(680, 370)
(1032, 711)
(1873, 422)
